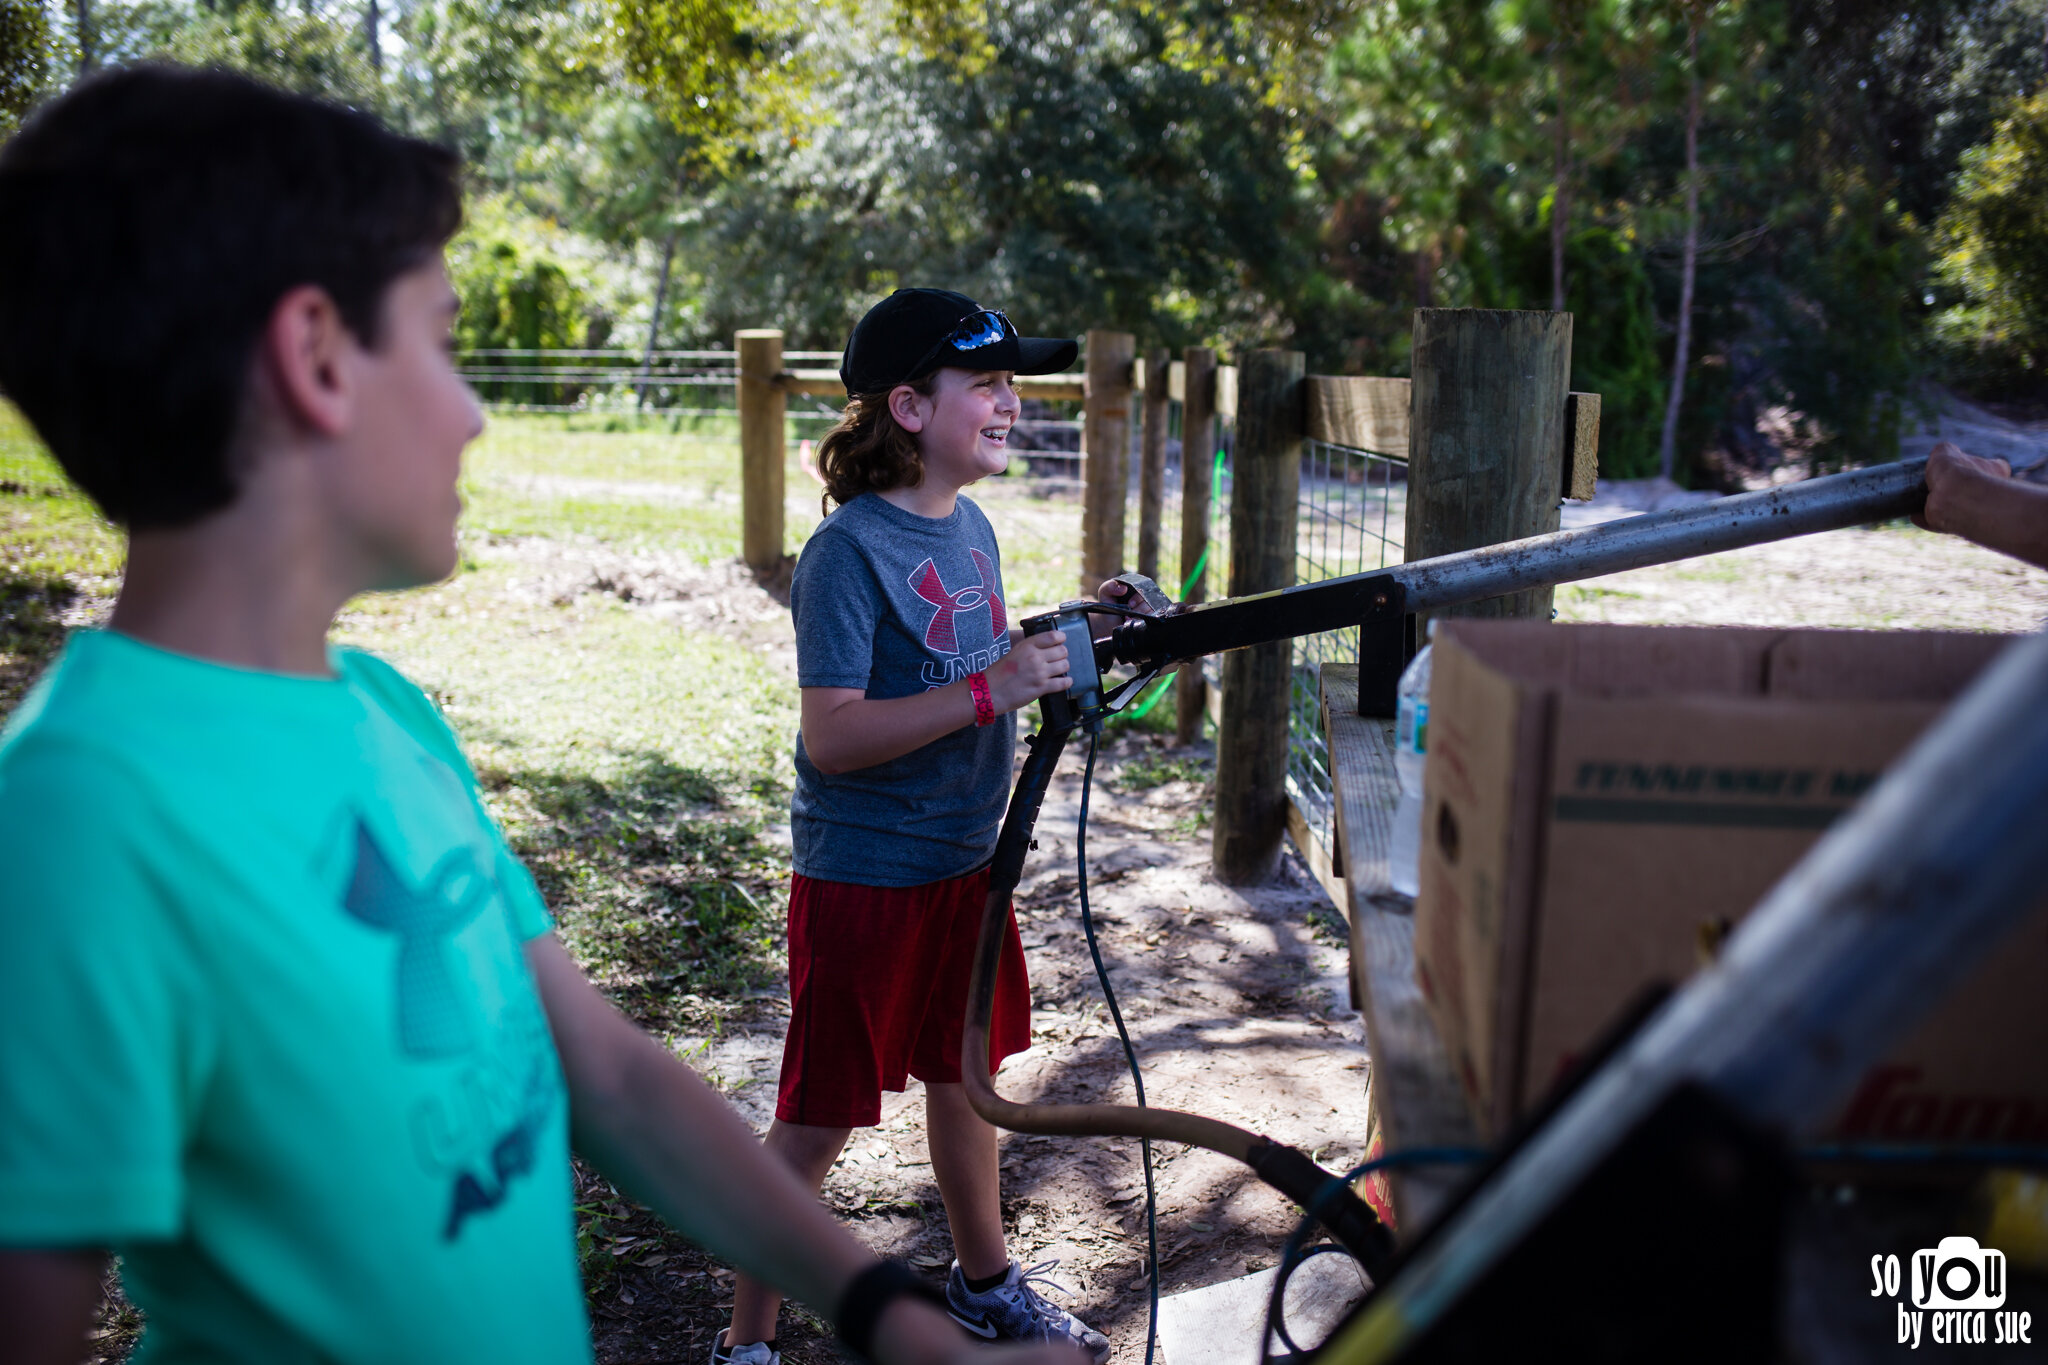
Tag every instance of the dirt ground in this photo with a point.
(1892, 577)
(1236, 1005)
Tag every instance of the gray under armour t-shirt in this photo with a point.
(896, 604)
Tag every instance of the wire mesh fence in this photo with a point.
(672, 383)
(1354, 506)
(705, 384)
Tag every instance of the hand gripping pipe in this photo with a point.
(1877, 494)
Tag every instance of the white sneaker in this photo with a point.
(753, 1353)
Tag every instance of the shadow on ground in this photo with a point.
(33, 609)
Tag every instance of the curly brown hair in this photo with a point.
(867, 452)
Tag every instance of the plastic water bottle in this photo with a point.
(1411, 742)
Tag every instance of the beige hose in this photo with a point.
(1066, 1120)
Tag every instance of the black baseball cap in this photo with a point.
(915, 331)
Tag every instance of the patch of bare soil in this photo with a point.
(724, 597)
(1892, 577)
(1237, 1004)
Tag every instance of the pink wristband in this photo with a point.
(984, 709)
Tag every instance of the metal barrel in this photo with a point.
(1882, 918)
(1857, 498)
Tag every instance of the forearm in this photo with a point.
(666, 1138)
(2006, 515)
(860, 732)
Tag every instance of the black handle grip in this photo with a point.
(1350, 1219)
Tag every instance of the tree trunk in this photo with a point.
(1667, 447)
(1561, 195)
(87, 61)
(668, 255)
(373, 39)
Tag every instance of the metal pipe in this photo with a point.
(1826, 504)
(1882, 917)
(1880, 493)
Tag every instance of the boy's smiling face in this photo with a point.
(392, 492)
(965, 430)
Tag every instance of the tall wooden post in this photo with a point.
(1486, 436)
(1152, 464)
(1105, 455)
(1265, 494)
(1197, 474)
(762, 447)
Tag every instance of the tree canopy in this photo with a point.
(1869, 206)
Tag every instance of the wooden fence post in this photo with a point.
(1265, 516)
(1152, 465)
(762, 447)
(1197, 473)
(1486, 441)
(1105, 455)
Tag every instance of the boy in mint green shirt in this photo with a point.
(281, 1018)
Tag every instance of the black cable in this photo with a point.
(1291, 1256)
(1130, 1058)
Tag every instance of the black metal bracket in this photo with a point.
(1384, 648)
(1240, 622)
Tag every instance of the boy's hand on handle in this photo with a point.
(1037, 666)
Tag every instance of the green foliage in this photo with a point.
(58, 559)
(25, 40)
(1235, 172)
(1844, 328)
(1152, 768)
(525, 282)
(300, 49)
(508, 82)
(717, 70)
(1083, 181)
(1993, 244)
(1616, 351)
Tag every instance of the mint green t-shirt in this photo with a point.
(266, 1025)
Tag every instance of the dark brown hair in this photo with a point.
(868, 452)
(150, 220)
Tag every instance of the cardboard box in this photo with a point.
(1603, 802)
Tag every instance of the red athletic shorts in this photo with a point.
(878, 990)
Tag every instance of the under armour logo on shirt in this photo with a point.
(942, 634)
(432, 1018)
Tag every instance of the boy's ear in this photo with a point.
(304, 351)
(908, 407)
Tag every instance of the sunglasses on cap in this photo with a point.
(983, 327)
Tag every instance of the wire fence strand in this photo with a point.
(1354, 507)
